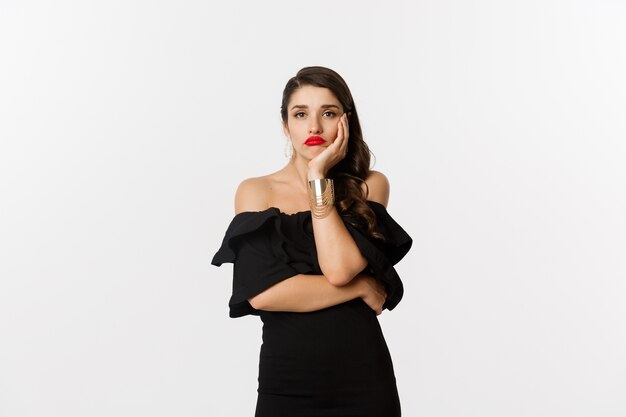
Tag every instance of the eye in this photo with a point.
(298, 115)
(332, 113)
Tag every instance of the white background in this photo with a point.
(126, 126)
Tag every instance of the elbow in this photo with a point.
(257, 302)
(339, 278)
(341, 273)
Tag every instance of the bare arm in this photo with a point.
(339, 257)
(305, 293)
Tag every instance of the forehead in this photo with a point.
(313, 97)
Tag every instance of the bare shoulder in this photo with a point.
(252, 194)
(378, 187)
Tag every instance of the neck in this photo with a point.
(299, 169)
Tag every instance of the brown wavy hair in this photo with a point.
(350, 173)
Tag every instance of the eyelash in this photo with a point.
(331, 112)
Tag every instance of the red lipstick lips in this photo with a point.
(314, 141)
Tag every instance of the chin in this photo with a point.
(310, 152)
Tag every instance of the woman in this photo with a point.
(313, 249)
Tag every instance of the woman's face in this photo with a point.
(313, 116)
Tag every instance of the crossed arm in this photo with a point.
(340, 260)
(304, 293)
(339, 257)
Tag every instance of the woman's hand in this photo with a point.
(335, 152)
(372, 292)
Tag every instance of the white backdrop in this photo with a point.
(126, 126)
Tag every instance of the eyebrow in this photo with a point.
(324, 106)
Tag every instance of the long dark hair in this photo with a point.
(350, 173)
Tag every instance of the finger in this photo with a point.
(340, 139)
(344, 147)
(336, 145)
(342, 127)
(339, 129)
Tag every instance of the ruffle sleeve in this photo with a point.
(255, 249)
(383, 255)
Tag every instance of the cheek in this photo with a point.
(332, 129)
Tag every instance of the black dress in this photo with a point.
(326, 363)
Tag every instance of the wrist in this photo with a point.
(315, 175)
(359, 286)
(321, 197)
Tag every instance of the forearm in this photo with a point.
(305, 293)
(339, 257)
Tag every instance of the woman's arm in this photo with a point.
(338, 255)
(305, 293)
(339, 258)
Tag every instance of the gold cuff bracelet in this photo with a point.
(321, 197)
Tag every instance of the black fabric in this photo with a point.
(330, 362)
(268, 246)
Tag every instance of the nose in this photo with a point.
(314, 126)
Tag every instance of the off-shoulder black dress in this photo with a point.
(326, 363)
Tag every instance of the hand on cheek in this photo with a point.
(335, 152)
